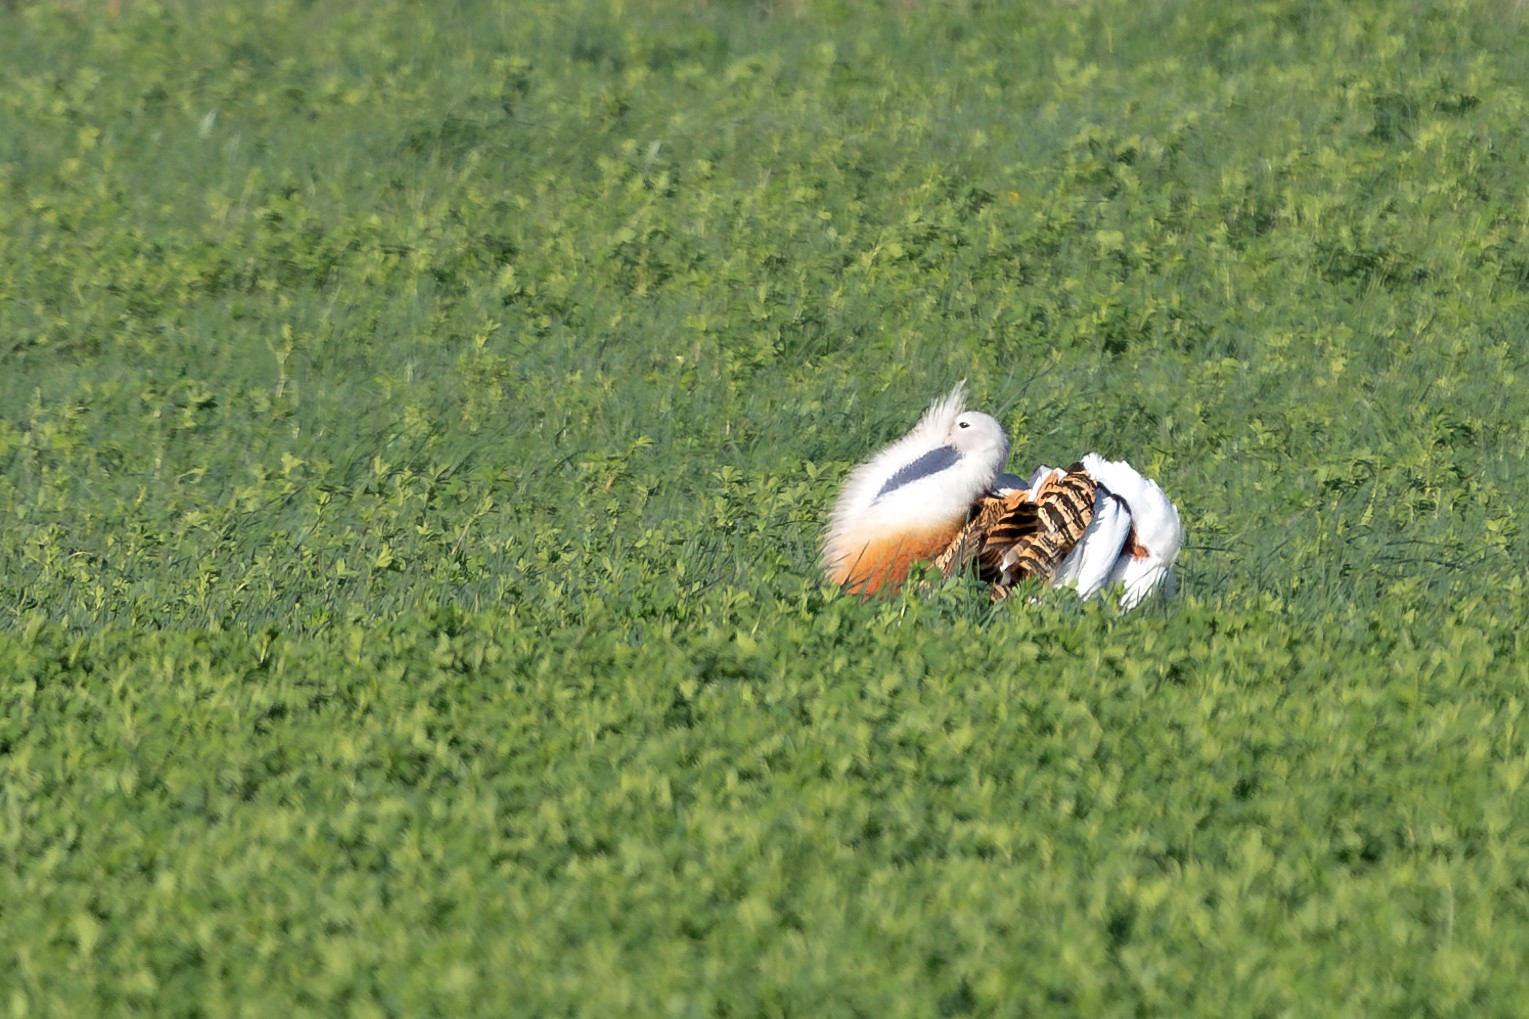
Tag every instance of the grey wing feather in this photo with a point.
(932, 462)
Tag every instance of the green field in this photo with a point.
(417, 422)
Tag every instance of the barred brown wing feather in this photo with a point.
(1063, 509)
(1026, 533)
(956, 555)
(995, 524)
(1013, 523)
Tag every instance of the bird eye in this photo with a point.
(964, 424)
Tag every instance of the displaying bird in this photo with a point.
(940, 495)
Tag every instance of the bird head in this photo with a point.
(928, 478)
(979, 438)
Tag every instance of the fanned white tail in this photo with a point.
(1133, 539)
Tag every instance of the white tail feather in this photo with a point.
(1159, 533)
(1089, 565)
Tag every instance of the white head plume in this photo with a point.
(928, 479)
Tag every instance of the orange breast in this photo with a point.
(883, 562)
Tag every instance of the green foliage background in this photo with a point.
(416, 422)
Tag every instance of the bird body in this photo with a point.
(940, 495)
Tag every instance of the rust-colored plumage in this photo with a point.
(1024, 533)
(883, 565)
